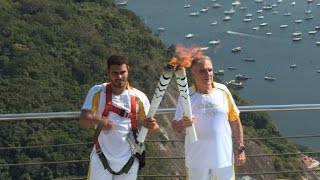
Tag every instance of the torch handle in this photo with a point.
(142, 134)
(190, 131)
(185, 98)
(164, 81)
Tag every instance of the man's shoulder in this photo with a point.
(138, 92)
(220, 85)
(98, 87)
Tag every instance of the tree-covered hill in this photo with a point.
(52, 52)
(55, 49)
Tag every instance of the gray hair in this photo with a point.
(198, 60)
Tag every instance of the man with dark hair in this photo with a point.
(216, 119)
(113, 108)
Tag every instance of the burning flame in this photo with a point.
(184, 56)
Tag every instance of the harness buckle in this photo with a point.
(99, 151)
(124, 113)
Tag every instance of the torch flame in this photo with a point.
(184, 56)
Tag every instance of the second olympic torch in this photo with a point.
(164, 81)
(185, 98)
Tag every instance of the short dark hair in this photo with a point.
(116, 60)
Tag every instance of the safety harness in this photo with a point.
(121, 112)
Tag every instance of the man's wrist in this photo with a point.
(177, 125)
(241, 148)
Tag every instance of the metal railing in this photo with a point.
(256, 108)
(63, 115)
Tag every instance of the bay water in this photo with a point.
(273, 53)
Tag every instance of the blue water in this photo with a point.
(273, 53)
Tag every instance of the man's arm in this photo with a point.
(180, 125)
(89, 119)
(237, 132)
(151, 124)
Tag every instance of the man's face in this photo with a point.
(202, 73)
(118, 75)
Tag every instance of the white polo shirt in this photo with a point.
(113, 143)
(212, 113)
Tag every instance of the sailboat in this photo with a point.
(269, 77)
(187, 5)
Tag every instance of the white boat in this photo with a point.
(293, 66)
(220, 72)
(269, 78)
(260, 17)
(259, 11)
(243, 8)
(308, 11)
(187, 6)
(255, 28)
(249, 15)
(227, 18)
(236, 49)
(298, 21)
(312, 32)
(318, 43)
(296, 39)
(283, 25)
(231, 11)
(297, 33)
(204, 48)
(268, 33)
(189, 35)
(317, 27)
(231, 68)
(318, 71)
(263, 24)
(247, 20)
(194, 14)
(275, 12)
(293, 3)
(203, 10)
(235, 84)
(122, 3)
(236, 3)
(242, 77)
(214, 23)
(287, 14)
(258, 1)
(160, 29)
(216, 5)
(267, 7)
(309, 17)
(214, 42)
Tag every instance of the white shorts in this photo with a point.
(225, 173)
(97, 172)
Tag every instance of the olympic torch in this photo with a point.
(185, 99)
(164, 81)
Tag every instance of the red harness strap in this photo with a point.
(121, 112)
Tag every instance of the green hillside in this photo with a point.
(51, 53)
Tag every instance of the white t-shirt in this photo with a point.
(114, 142)
(212, 113)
